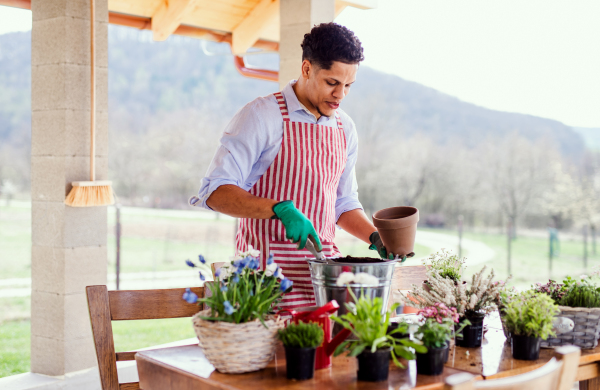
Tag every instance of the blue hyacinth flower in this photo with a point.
(253, 263)
(218, 272)
(189, 296)
(202, 277)
(285, 284)
(201, 259)
(224, 288)
(241, 263)
(270, 259)
(228, 308)
(190, 263)
(235, 278)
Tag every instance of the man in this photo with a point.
(285, 166)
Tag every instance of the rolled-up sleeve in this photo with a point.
(235, 162)
(347, 192)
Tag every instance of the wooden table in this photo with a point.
(178, 368)
(175, 369)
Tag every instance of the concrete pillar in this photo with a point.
(68, 244)
(297, 17)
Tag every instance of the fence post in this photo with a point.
(118, 240)
(460, 232)
(585, 247)
(509, 248)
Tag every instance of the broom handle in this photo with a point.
(93, 96)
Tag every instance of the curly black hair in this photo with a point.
(328, 42)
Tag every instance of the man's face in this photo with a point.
(326, 88)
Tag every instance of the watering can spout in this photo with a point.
(336, 341)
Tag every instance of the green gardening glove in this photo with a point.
(377, 245)
(297, 226)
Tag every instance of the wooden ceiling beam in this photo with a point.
(250, 29)
(341, 5)
(169, 16)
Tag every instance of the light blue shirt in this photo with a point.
(253, 139)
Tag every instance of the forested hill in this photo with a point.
(148, 79)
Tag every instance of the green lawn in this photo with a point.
(530, 258)
(128, 336)
(14, 353)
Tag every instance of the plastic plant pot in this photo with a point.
(398, 336)
(300, 362)
(432, 362)
(374, 366)
(471, 335)
(525, 347)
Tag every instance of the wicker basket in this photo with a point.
(237, 348)
(586, 331)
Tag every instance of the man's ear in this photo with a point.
(307, 69)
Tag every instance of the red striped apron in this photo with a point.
(307, 170)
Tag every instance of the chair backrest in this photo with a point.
(215, 266)
(403, 279)
(555, 375)
(106, 306)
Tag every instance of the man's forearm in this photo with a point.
(356, 223)
(234, 201)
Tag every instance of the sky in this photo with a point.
(537, 57)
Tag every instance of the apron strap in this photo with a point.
(339, 120)
(282, 106)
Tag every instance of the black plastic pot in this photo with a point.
(374, 366)
(471, 335)
(300, 362)
(432, 362)
(398, 336)
(525, 347)
(446, 354)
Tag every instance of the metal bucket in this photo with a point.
(324, 277)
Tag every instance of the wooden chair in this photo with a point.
(555, 375)
(106, 306)
(403, 279)
(215, 266)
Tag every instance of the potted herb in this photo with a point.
(529, 317)
(441, 314)
(434, 335)
(472, 301)
(301, 341)
(239, 318)
(578, 300)
(373, 346)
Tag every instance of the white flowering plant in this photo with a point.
(242, 292)
(479, 297)
(447, 264)
(366, 321)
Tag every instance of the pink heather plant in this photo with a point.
(440, 312)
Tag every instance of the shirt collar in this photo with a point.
(293, 104)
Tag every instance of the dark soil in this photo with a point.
(353, 260)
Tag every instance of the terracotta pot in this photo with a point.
(397, 227)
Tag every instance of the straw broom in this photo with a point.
(91, 193)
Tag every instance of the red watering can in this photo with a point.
(320, 315)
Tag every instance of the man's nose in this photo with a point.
(338, 92)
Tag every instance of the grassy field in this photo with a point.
(160, 240)
(529, 261)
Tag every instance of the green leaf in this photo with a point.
(340, 348)
(357, 350)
